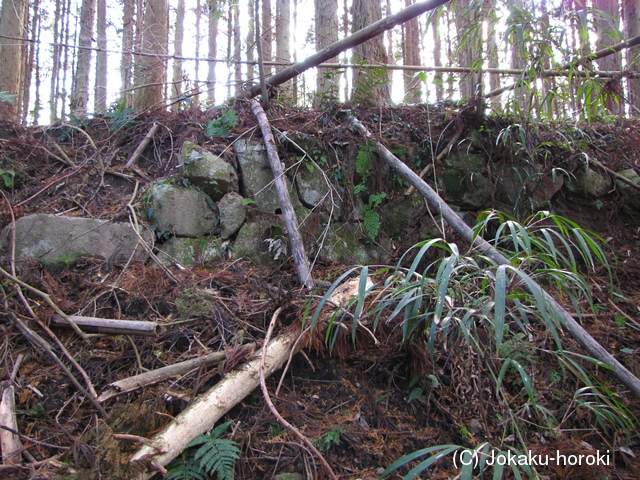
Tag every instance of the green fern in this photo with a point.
(221, 127)
(371, 216)
(207, 455)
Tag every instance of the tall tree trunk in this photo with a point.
(411, 56)
(438, 78)
(198, 12)
(31, 64)
(326, 28)
(251, 44)
(37, 101)
(55, 61)
(283, 40)
(346, 28)
(212, 39)
(80, 92)
(607, 23)
(469, 48)
(237, 48)
(101, 58)
(492, 54)
(370, 85)
(176, 83)
(151, 69)
(267, 35)
(13, 25)
(129, 7)
(631, 15)
(519, 55)
(66, 67)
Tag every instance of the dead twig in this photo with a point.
(274, 411)
(441, 155)
(143, 145)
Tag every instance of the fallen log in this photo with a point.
(202, 415)
(109, 325)
(130, 384)
(575, 329)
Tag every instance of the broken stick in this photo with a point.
(288, 213)
(143, 144)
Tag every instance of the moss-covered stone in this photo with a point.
(192, 303)
(190, 251)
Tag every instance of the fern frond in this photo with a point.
(218, 456)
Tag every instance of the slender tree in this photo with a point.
(126, 62)
(198, 11)
(237, 48)
(12, 30)
(607, 24)
(370, 85)
(176, 83)
(469, 46)
(438, 78)
(101, 58)
(283, 40)
(31, 65)
(411, 56)
(631, 16)
(80, 91)
(267, 35)
(251, 44)
(150, 68)
(326, 28)
(212, 39)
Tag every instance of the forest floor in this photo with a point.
(353, 403)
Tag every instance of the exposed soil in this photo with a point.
(354, 401)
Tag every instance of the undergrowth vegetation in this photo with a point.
(487, 326)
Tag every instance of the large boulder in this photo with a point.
(207, 171)
(590, 184)
(180, 211)
(257, 177)
(56, 239)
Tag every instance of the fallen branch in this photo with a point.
(202, 415)
(109, 325)
(143, 145)
(127, 385)
(575, 329)
(9, 441)
(288, 213)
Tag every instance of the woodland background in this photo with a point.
(73, 57)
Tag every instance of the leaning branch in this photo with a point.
(288, 213)
(351, 41)
(452, 218)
